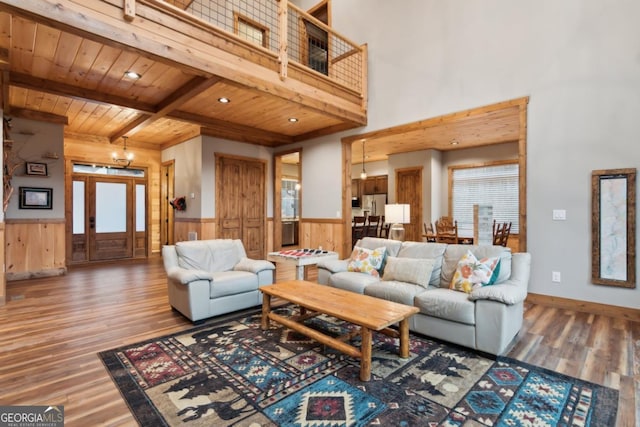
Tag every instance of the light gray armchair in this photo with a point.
(206, 278)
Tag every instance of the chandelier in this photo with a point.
(127, 156)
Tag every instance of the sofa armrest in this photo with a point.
(506, 292)
(513, 290)
(334, 265)
(253, 265)
(185, 276)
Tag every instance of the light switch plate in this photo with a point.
(559, 215)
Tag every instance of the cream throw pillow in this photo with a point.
(410, 270)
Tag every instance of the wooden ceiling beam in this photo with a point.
(40, 116)
(63, 89)
(169, 104)
(218, 128)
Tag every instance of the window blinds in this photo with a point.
(488, 185)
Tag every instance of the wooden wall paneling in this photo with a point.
(207, 229)
(34, 248)
(3, 282)
(327, 233)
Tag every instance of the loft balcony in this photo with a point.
(65, 61)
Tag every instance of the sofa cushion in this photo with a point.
(453, 253)
(209, 255)
(393, 246)
(447, 304)
(430, 250)
(400, 292)
(369, 261)
(352, 281)
(232, 283)
(416, 271)
(472, 273)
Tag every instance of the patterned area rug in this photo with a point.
(231, 373)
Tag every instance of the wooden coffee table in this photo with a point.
(371, 314)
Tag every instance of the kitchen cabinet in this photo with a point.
(375, 185)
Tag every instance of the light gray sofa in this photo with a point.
(211, 277)
(487, 319)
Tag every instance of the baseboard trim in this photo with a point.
(586, 307)
(36, 274)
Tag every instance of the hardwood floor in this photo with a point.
(52, 328)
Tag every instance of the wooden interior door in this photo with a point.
(241, 202)
(409, 191)
(167, 190)
(110, 218)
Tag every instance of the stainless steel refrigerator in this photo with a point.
(373, 204)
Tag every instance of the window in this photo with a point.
(495, 185)
(290, 200)
(107, 170)
(250, 30)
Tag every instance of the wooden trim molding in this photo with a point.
(614, 311)
(322, 220)
(196, 220)
(35, 221)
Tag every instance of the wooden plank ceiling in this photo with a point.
(58, 76)
(55, 75)
(492, 124)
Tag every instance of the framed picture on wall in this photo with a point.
(613, 227)
(35, 198)
(36, 169)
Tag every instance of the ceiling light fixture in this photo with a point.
(126, 158)
(454, 142)
(132, 74)
(363, 174)
(224, 100)
(293, 120)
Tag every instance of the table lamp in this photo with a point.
(397, 214)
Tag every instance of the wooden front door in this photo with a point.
(409, 191)
(241, 202)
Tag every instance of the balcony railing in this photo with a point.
(280, 28)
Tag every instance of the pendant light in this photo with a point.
(363, 174)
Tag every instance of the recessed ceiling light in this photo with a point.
(293, 119)
(454, 142)
(224, 100)
(132, 75)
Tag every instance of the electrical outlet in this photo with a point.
(555, 276)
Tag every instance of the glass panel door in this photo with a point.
(110, 219)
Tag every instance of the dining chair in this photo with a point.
(446, 232)
(429, 232)
(358, 229)
(384, 228)
(501, 233)
(373, 222)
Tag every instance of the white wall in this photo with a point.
(577, 60)
(32, 140)
(188, 175)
